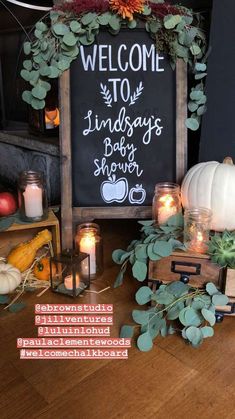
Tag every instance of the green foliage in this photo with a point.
(127, 331)
(16, 307)
(56, 43)
(171, 21)
(143, 296)
(4, 299)
(6, 222)
(156, 242)
(221, 249)
(175, 301)
(198, 98)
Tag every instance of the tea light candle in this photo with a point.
(167, 210)
(198, 243)
(68, 282)
(196, 229)
(33, 201)
(88, 245)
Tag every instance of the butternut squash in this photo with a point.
(23, 255)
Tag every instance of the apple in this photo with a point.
(7, 204)
(137, 195)
(113, 190)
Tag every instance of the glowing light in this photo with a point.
(52, 118)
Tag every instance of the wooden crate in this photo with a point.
(19, 233)
(229, 283)
(228, 309)
(199, 270)
(195, 267)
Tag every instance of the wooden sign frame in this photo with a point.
(70, 215)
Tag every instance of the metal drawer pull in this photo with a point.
(185, 269)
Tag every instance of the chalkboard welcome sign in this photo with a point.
(122, 138)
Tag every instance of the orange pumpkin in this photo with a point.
(41, 269)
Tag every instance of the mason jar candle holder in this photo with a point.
(32, 196)
(197, 229)
(88, 240)
(66, 273)
(166, 202)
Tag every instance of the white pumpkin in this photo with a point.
(212, 185)
(10, 278)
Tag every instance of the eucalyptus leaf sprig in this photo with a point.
(156, 242)
(194, 309)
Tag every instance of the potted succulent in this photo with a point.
(222, 251)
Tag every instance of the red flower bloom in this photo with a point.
(79, 7)
(163, 9)
(126, 8)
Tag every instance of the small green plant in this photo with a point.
(156, 242)
(193, 308)
(222, 249)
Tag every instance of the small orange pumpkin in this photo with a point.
(41, 269)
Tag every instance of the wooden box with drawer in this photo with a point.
(193, 268)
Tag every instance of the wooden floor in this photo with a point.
(171, 381)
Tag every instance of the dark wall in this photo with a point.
(12, 38)
(198, 5)
(218, 140)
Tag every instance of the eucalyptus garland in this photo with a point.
(156, 242)
(56, 39)
(193, 308)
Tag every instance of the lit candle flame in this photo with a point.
(167, 200)
(199, 237)
(88, 240)
(52, 117)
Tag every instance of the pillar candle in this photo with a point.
(33, 201)
(88, 245)
(167, 210)
(68, 282)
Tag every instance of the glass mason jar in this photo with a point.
(32, 196)
(166, 202)
(88, 240)
(197, 228)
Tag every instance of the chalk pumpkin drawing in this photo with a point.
(137, 195)
(113, 190)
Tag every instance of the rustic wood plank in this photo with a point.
(65, 161)
(51, 220)
(8, 373)
(19, 233)
(230, 283)
(207, 396)
(91, 213)
(181, 115)
(18, 399)
(113, 399)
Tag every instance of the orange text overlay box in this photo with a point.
(74, 320)
(74, 308)
(62, 342)
(73, 354)
(73, 331)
